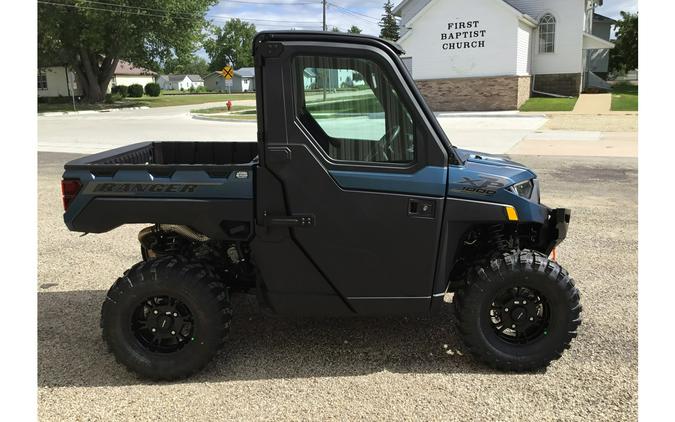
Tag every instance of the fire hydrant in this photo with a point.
(229, 105)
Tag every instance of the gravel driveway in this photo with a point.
(374, 369)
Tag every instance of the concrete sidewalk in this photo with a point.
(578, 143)
(593, 104)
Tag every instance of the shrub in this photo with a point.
(191, 89)
(123, 90)
(152, 89)
(112, 98)
(136, 90)
(202, 88)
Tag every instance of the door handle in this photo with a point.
(421, 208)
(304, 220)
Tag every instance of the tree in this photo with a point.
(355, 30)
(388, 24)
(335, 29)
(92, 40)
(230, 45)
(187, 65)
(624, 56)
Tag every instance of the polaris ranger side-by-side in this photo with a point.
(352, 202)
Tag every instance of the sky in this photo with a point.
(302, 14)
(307, 14)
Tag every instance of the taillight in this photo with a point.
(69, 190)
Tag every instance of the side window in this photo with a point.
(547, 34)
(353, 110)
(42, 79)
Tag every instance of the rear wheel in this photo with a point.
(166, 318)
(520, 312)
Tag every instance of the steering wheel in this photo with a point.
(384, 145)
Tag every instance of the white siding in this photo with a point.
(570, 20)
(56, 83)
(497, 56)
(524, 37)
(130, 80)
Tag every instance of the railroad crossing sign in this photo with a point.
(228, 72)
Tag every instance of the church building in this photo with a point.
(495, 54)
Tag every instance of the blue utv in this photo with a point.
(352, 202)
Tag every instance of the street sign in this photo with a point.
(228, 72)
(228, 83)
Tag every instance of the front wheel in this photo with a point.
(518, 313)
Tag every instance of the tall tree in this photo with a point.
(187, 65)
(624, 56)
(92, 40)
(355, 30)
(230, 44)
(388, 24)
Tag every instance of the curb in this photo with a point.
(216, 119)
(493, 114)
(75, 113)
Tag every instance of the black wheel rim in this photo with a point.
(520, 315)
(162, 324)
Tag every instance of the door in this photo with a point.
(361, 176)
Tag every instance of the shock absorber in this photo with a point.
(498, 238)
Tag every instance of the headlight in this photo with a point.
(524, 189)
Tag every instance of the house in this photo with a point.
(242, 81)
(180, 82)
(128, 74)
(57, 81)
(61, 81)
(493, 54)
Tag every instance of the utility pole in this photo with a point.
(325, 28)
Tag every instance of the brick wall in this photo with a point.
(475, 94)
(524, 89)
(561, 84)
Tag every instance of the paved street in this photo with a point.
(88, 133)
(318, 369)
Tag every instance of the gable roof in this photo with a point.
(126, 68)
(522, 17)
(179, 78)
(509, 3)
(245, 72)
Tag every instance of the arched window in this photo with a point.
(547, 34)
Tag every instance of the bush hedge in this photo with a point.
(122, 90)
(152, 89)
(136, 91)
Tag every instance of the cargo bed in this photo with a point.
(207, 186)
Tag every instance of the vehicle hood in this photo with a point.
(478, 165)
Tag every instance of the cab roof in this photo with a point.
(324, 36)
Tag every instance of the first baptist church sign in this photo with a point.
(463, 35)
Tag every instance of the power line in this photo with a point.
(273, 3)
(114, 9)
(357, 17)
(353, 12)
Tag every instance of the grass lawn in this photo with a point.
(161, 101)
(188, 99)
(624, 97)
(549, 104)
(44, 108)
(237, 112)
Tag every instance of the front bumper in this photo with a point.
(555, 228)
